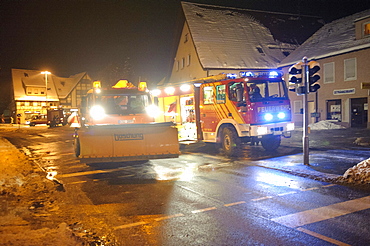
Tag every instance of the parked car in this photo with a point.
(38, 119)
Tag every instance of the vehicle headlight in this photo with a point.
(268, 117)
(97, 112)
(281, 115)
(153, 111)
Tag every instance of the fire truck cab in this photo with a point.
(230, 110)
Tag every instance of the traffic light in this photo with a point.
(313, 68)
(295, 76)
(295, 72)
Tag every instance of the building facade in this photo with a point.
(35, 91)
(343, 49)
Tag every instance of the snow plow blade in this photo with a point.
(130, 142)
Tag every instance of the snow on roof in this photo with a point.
(226, 38)
(64, 86)
(334, 38)
(58, 87)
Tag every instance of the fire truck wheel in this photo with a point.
(230, 141)
(270, 142)
(76, 146)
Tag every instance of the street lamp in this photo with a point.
(46, 82)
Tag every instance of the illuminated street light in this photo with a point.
(46, 82)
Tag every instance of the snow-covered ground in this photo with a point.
(27, 203)
(324, 125)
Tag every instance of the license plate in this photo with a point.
(125, 121)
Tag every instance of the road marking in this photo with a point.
(68, 153)
(68, 175)
(329, 185)
(287, 193)
(129, 225)
(323, 213)
(325, 238)
(308, 189)
(77, 182)
(169, 217)
(261, 198)
(203, 210)
(234, 203)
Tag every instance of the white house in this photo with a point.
(35, 91)
(342, 48)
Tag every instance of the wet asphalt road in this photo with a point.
(203, 198)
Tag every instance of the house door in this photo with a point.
(359, 112)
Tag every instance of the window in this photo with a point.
(333, 109)
(220, 94)
(208, 95)
(329, 73)
(188, 62)
(350, 69)
(366, 29)
(182, 62)
(186, 38)
(177, 65)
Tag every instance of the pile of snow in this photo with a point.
(324, 125)
(26, 201)
(359, 173)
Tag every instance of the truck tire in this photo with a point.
(270, 142)
(76, 146)
(230, 141)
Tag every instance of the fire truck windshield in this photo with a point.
(265, 90)
(124, 104)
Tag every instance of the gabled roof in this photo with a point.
(58, 87)
(64, 86)
(230, 38)
(335, 38)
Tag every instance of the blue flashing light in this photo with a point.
(231, 75)
(268, 117)
(281, 115)
(246, 74)
(274, 74)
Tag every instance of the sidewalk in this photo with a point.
(331, 153)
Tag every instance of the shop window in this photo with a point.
(334, 110)
(350, 69)
(329, 75)
(208, 95)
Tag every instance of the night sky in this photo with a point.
(68, 37)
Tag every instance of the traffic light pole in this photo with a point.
(305, 139)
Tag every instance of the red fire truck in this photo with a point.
(230, 110)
